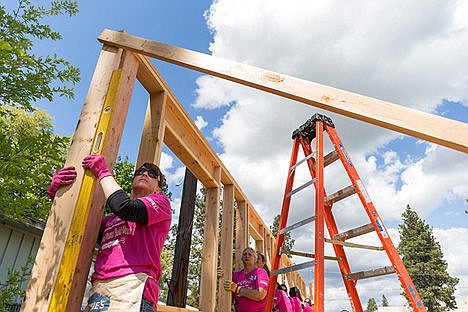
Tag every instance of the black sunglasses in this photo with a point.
(150, 172)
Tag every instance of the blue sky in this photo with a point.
(396, 51)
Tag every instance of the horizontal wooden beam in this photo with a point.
(433, 128)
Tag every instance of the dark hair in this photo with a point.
(284, 287)
(265, 266)
(294, 292)
(156, 169)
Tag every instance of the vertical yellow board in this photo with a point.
(66, 272)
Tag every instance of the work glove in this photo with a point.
(231, 286)
(219, 272)
(64, 176)
(97, 165)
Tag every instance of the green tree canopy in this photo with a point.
(30, 153)
(371, 305)
(25, 77)
(288, 240)
(384, 301)
(423, 258)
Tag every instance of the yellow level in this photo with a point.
(67, 268)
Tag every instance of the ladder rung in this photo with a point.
(298, 224)
(364, 229)
(341, 194)
(371, 273)
(301, 161)
(329, 158)
(303, 186)
(348, 244)
(309, 255)
(293, 268)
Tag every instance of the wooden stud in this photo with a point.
(129, 65)
(49, 256)
(242, 232)
(210, 248)
(227, 230)
(153, 130)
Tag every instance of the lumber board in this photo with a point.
(242, 232)
(153, 129)
(227, 231)
(429, 127)
(209, 264)
(50, 254)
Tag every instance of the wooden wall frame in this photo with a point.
(167, 122)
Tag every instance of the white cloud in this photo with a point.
(396, 51)
(200, 122)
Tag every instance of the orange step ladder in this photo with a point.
(311, 130)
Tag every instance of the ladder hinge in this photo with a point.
(308, 128)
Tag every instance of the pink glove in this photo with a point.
(64, 176)
(97, 165)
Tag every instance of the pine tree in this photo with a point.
(371, 305)
(384, 301)
(288, 240)
(423, 258)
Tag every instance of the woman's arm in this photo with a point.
(254, 294)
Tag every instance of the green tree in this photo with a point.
(11, 287)
(384, 301)
(423, 258)
(25, 77)
(30, 153)
(123, 173)
(371, 305)
(288, 240)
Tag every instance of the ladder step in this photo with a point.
(309, 255)
(348, 244)
(329, 158)
(301, 161)
(339, 195)
(293, 268)
(371, 273)
(303, 186)
(364, 229)
(296, 225)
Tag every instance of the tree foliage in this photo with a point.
(423, 258)
(384, 301)
(25, 77)
(30, 153)
(371, 305)
(288, 240)
(11, 288)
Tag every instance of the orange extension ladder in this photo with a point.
(303, 136)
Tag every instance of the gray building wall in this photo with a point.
(18, 242)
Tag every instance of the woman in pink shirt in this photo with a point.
(249, 285)
(296, 299)
(127, 267)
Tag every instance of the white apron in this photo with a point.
(120, 294)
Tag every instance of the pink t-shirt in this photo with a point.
(255, 279)
(129, 247)
(308, 309)
(283, 304)
(296, 304)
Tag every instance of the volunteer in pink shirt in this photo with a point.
(249, 285)
(127, 267)
(282, 302)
